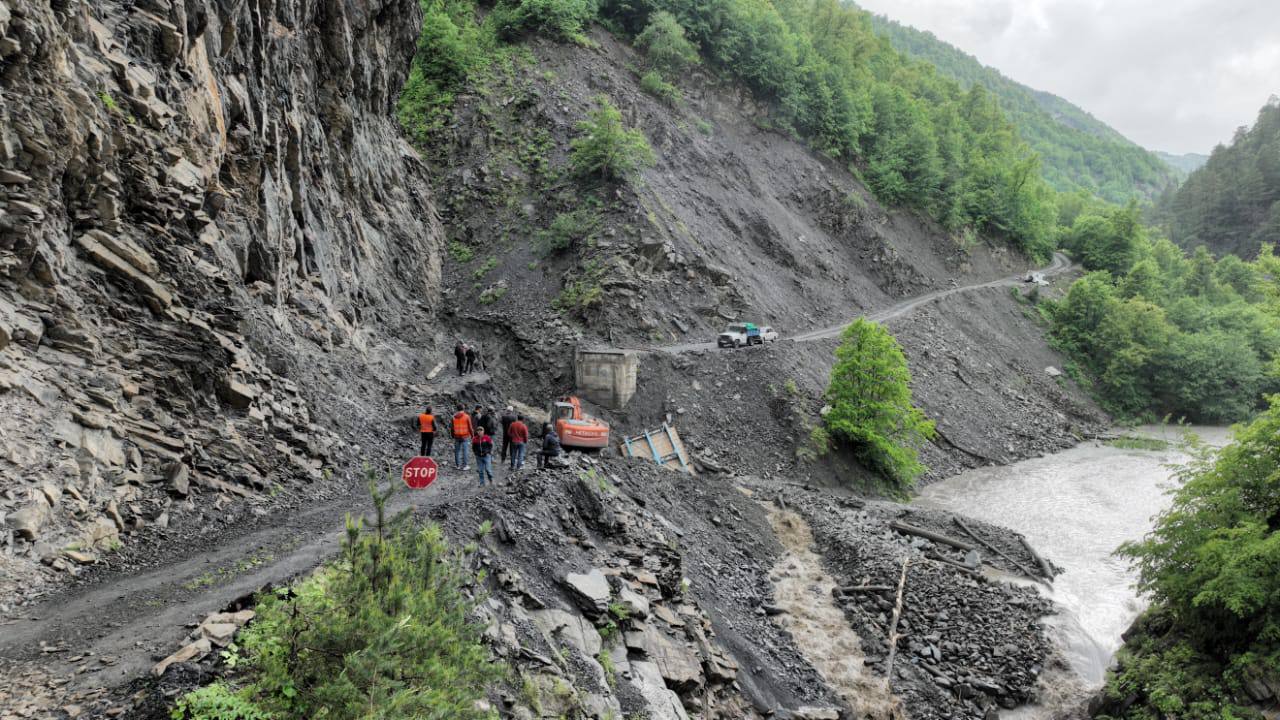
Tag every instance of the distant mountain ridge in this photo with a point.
(1078, 151)
(1186, 163)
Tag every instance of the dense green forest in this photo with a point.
(1163, 333)
(917, 138)
(1210, 643)
(1232, 204)
(1077, 151)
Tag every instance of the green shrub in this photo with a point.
(493, 294)
(580, 295)
(568, 229)
(1212, 569)
(871, 408)
(485, 268)
(218, 702)
(652, 83)
(705, 127)
(665, 44)
(561, 19)
(605, 148)
(382, 632)
(461, 252)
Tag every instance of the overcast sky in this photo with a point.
(1172, 75)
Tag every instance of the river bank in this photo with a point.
(1077, 507)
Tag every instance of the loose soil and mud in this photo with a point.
(224, 283)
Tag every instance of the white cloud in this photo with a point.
(1176, 75)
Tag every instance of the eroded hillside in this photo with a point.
(227, 279)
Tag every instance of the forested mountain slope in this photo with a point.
(1232, 204)
(1078, 150)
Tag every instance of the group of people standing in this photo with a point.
(468, 357)
(473, 434)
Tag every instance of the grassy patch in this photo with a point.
(1139, 442)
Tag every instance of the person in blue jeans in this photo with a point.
(482, 448)
(517, 436)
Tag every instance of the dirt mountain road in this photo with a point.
(1059, 265)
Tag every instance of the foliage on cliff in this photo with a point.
(1232, 203)
(824, 76)
(1077, 151)
(1211, 640)
(1161, 333)
(382, 632)
(870, 404)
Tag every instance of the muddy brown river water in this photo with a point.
(1077, 507)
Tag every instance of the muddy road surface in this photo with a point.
(1060, 265)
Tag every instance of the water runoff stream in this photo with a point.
(1076, 507)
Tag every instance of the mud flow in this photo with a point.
(803, 589)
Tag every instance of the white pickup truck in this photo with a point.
(739, 334)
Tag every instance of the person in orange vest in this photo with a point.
(462, 428)
(426, 426)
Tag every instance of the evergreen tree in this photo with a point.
(665, 44)
(871, 407)
(606, 149)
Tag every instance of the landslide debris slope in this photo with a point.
(733, 222)
(222, 273)
(215, 248)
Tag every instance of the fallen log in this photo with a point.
(850, 589)
(954, 565)
(931, 535)
(893, 627)
(1022, 568)
(1045, 567)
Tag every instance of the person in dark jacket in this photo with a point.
(508, 417)
(491, 420)
(482, 447)
(478, 419)
(460, 354)
(550, 446)
(471, 358)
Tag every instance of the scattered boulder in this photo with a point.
(26, 523)
(591, 590)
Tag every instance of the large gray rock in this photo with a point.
(568, 627)
(591, 590)
(635, 604)
(677, 661)
(663, 704)
(28, 521)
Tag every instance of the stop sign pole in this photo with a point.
(419, 472)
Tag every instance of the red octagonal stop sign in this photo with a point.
(419, 472)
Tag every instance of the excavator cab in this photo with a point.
(576, 429)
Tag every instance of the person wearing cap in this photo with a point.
(508, 417)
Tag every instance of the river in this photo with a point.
(1076, 507)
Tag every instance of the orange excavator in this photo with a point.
(577, 429)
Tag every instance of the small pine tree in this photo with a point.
(606, 149)
(871, 408)
(383, 632)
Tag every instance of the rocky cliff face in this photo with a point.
(208, 219)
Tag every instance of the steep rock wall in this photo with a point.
(208, 223)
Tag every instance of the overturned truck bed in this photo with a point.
(662, 446)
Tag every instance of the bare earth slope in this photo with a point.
(223, 283)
